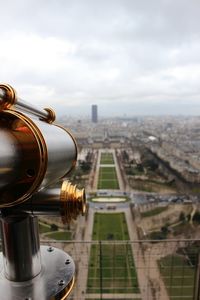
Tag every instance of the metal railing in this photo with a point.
(141, 270)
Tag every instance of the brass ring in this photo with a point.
(10, 98)
(70, 287)
(73, 201)
(42, 148)
(51, 115)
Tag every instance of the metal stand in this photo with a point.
(28, 271)
(35, 153)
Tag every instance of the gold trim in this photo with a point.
(10, 98)
(43, 155)
(51, 117)
(69, 290)
(73, 201)
(43, 158)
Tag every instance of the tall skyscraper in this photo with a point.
(94, 113)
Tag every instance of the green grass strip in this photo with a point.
(107, 158)
(118, 270)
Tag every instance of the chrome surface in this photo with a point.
(34, 154)
(54, 282)
(29, 166)
(67, 202)
(25, 107)
(2, 94)
(21, 247)
(9, 158)
(45, 202)
(8, 98)
(61, 151)
(47, 153)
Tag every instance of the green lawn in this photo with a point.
(108, 178)
(107, 158)
(118, 272)
(179, 277)
(110, 227)
(154, 212)
(43, 228)
(59, 235)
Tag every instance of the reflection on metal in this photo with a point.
(24, 261)
(72, 201)
(45, 153)
(67, 201)
(54, 282)
(34, 154)
(8, 99)
(7, 96)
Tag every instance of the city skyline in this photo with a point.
(129, 57)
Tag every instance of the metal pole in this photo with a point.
(22, 276)
(197, 280)
(21, 247)
(100, 269)
(8, 98)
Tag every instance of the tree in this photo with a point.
(54, 227)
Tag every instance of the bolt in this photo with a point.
(61, 282)
(67, 262)
(50, 249)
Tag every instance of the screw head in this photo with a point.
(50, 249)
(67, 262)
(61, 282)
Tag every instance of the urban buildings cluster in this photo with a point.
(175, 140)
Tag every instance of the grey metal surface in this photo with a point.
(21, 247)
(9, 158)
(61, 149)
(23, 106)
(33, 155)
(52, 283)
(46, 202)
(2, 95)
(67, 202)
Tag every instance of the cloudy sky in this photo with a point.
(128, 56)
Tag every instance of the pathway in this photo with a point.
(147, 268)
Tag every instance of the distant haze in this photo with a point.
(127, 56)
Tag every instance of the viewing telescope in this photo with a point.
(34, 154)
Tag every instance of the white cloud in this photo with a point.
(78, 52)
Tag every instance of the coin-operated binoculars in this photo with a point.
(34, 153)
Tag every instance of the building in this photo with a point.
(94, 113)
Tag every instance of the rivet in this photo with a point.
(50, 249)
(67, 262)
(61, 282)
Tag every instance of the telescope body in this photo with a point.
(34, 154)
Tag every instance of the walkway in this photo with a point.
(114, 296)
(84, 253)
